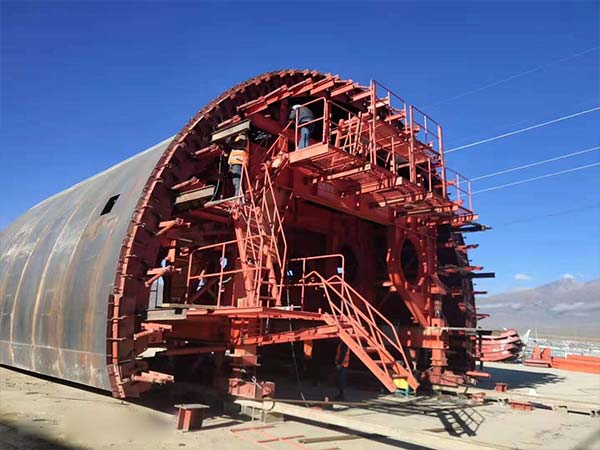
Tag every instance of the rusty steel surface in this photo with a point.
(57, 269)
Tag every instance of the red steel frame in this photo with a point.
(374, 161)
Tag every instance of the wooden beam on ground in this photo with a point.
(318, 440)
(555, 403)
(404, 434)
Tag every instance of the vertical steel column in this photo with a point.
(443, 161)
(372, 136)
(411, 155)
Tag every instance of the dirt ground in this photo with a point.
(38, 413)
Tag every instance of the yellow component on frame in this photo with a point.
(401, 383)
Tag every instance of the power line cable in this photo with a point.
(512, 77)
(493, 188)
(522, 130)
(537, 163)
(552, 214)
(512, 124)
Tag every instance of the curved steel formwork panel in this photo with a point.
(57, 271)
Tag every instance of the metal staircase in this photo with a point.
(360, 328)
(259, 231)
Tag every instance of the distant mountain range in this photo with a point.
(565, 308)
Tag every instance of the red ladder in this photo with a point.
(259, 231)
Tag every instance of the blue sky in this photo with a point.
(85, 85)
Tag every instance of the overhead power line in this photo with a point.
(552, 214)
(493, 188)
(537, 163)
(514, 76)
(522, 130)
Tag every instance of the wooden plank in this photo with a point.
(343, 89)
(231, 131)
(318, 440)
(166, 314)
(202, 193)
(360, 96)
(553, 402)
(322, 86)
(192, 406)
(308, 153)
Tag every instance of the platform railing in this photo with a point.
(459, 186)
(221, 251)
(391, 135)
(426, 130)
(361, 134)
(426, 140)
(302, 282)
(395, 106)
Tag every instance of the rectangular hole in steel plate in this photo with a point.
(109, 204)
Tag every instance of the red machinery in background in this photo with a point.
(501, 345)
(542, 357)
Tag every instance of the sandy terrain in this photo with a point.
(38, 413)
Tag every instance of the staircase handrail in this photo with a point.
(347, 300)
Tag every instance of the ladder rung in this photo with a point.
(381, 362)
(355, 336)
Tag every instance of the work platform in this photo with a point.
(354, 175)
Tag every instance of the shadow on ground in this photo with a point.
(591, 441)
(517, 378)
(456, 416)
(13, 438)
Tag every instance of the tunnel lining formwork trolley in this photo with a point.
(356, 237)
